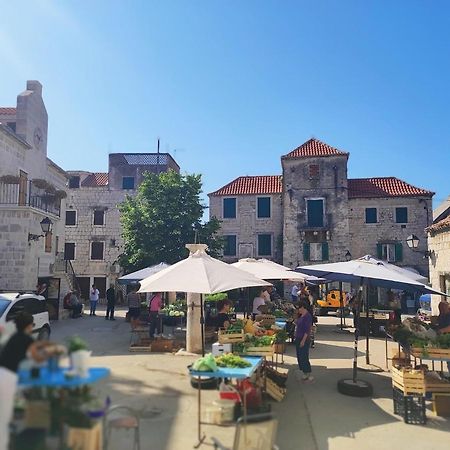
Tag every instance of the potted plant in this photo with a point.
(279, 342)
(79, 355)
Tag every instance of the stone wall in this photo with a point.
(363, 237)
(246, 226)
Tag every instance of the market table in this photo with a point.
(225, 372)
(57, 378)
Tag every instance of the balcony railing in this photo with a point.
(27, 194)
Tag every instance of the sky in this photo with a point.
(231, 86)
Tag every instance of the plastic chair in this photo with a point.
(257, 433)
(120, 417)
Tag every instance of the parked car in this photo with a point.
(14, 303)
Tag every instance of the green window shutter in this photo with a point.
(325, 256)
(229, 208)
(380, 251)
(398, 251)
(306, 251)
(263, 207)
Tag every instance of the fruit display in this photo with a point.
(176, 309)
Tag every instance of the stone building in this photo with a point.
(32, 188)
(314, 213)
(439, 252)
(93, 239)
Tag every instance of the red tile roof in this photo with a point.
(383, 187)
(6, 111)
(314, 148)
(263, 184)
(442, 225)
(95, 180)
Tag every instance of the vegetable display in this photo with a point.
(231, 360)
(235, 327)
(205, 364)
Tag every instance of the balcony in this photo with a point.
(27, 194)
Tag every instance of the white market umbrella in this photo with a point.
(366, 271)
(139, 275)
(269, 270)
(200, 274)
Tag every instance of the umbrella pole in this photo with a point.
(358, 311)
(202, 324)
(341, 304)
(367, 329)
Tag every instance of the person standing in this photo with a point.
(258, 301)
(134, 306)
(153, 308)
(303, 341)
(93, 298)
(294, 293)
(75, 305)
(110, 303)
(18, 347)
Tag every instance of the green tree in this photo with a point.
(165, 215)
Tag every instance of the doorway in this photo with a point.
(84, 283)
(100, 284)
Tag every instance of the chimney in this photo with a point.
(35, 86)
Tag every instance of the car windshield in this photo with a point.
(3, 305)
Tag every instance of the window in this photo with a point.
(74, 182)
(127, 182)
(371, 215)
(48, 242)
(263, 207)
(56, 244)
(229, 248)
(315, 213)
(401, 215)
(315, 251)
(390, 252)
(229, 208)
(99, 217)
(314, 172)
(71, 218)
(69, 251)
(264, 245)
(97, 251)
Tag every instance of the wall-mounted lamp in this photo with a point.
(412, 241)
(348, 255)
(46, 227)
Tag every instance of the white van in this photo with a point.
(14, 303)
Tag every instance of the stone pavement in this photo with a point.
(311, 417)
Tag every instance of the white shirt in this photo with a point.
(294, 290)
(93, 297)
(257, 302)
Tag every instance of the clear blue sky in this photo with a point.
(233, 85)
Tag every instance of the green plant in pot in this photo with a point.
(79, 356)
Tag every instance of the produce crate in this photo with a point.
(265, 319)
(410, 407)
(162, 345)
(408, 381)
(143, 347)
(441, 404)
(437, 353)
(433, 384)
(259, 351)
(279, 376)
(276, 392)
(230, 338)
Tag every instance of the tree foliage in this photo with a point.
(165, 215)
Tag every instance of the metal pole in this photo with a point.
(367, 328)
(157, 159)
(341, 303)
(358, 311)
(202, 324)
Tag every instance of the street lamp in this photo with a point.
(46, 227)
(412, 241)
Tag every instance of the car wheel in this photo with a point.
(44, 333)
(205, 382)
(358, 388)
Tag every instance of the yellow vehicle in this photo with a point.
(332, 303)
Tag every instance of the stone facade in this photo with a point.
(24, 202)
(93, 217)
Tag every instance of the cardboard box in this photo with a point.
(219, 349)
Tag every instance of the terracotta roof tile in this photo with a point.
(95, 180)
(6, 111)
(442, 225)
(383, 187)
(263, 184)
(314, 148)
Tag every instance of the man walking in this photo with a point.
(110, 303)
(93, 298)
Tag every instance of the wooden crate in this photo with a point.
(230, 338)
(265, 319)
(162, 345)
(433, 353)
(276, 392)
(136, 348)
(441, 404)
(259, 351)
(433, 384)
(408, 380)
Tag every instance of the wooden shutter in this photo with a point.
(48, 242)
(315, 213)
(380, 251)
(398, 251)
(325, 255)
(306, 251)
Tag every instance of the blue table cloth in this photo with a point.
(228, 372)
(280, 322)
(57, 379)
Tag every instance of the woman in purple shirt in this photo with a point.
(303, 341)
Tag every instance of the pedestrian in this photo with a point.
(258, 302)
(223, 319)
(75, 305)
(153, 309)
(110, 303)
(303, 341)
(134, 306)
(18, 348)
(294, 293)
(93, 298)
